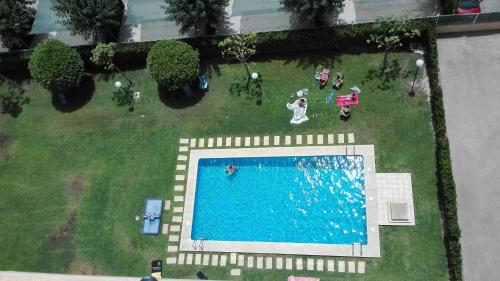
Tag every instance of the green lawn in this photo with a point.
(71, 182)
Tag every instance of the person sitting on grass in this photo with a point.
(338, 81)
(230, 169)
(345, 112)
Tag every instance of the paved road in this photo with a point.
(470, 76)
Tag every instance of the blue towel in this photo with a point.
(329, 98)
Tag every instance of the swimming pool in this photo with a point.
(280, 208)
(293, 199)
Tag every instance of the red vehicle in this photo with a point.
(468, 7)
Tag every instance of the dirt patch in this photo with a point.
(4, 141)
(60, 245)
(73, 190)
(86, 268)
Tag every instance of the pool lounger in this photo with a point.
(152, 215)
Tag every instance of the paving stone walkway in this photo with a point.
(237, 261)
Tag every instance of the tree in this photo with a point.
(16, 17)
(389, 32)
(56, 66)
(314, 10)
(103, 54)
(196, 13)
(173, 63)
(240, 47)
(92, 19)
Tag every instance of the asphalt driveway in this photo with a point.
(470, 76)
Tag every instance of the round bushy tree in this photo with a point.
(56, 66)
(173, 63)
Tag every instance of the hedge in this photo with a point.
(446, 184)
(344, 38)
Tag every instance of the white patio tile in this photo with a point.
(319, 139)
(173, 238)
(192, 143)
(330, 265)
(235, 272)
(351, 266)
(247, 141)
(183, 149)
(223, 260)
(164, 229)
(340, 138)
(175, 228)
(298, 139)
(201, 143)
(179, 198)
(330, 138)
(181, 258)
(184, 141)
(341, 266)
(219, 142)
(210, 142)
(182, 157)
(178, 209)
(189, 259)
(319, 265)
(276, 140)
(310, 264)
(288, 263)
(260, 262)
(310, 139)
(250, 262)
(256, 141)
(269, 263)
(265, 140)
(215, 260)
(171, 260)
(350, 138)
(279, 263)
(172, 249)
(179, 177)
(167, 205)
(237, 141)
(197, 259)
(361, 266)
(206, 259)
(241, 260)
(177, 219)
(180, 167)
(298, 263)
(233, 258)
(288, 140)
(228, 141)
(178, 188)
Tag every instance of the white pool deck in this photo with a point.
(371, 249)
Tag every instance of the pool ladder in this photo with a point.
(198, 243)
(358, 246)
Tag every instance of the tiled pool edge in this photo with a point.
(372, 249)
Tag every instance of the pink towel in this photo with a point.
(347, 100)
(293, 278)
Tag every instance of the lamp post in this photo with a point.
(256, 79)
(419, 63)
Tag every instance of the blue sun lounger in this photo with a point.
(152, 215)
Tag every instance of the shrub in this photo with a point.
(173, 63)
(56, 66)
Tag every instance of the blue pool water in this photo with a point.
(281, 199)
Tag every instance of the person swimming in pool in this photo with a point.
(230, 169)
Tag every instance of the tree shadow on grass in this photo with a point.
(252, 90)
(178, 99)
(385, 78)
(76, 98)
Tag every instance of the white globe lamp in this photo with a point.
(118, 84)
(255, 76)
